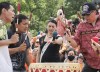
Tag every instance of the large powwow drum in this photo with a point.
(55, 67)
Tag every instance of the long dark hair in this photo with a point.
(20, 17)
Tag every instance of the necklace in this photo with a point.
(49, 36)
(2, 22)
(3, 32)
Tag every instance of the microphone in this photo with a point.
(54, 35)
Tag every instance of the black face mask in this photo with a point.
(71, 57)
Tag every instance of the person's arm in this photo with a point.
(21, 48)
(5, 42)
(13, 50)
(72, 42)
(65, 22)
(59, 40)
(29, 57)
(38, 55)
(13, 40)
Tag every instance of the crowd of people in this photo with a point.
(63, 41)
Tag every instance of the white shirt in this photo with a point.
(5, 61)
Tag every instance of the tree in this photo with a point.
(72, 6)
(42, 10)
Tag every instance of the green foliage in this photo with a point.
(42, 10)
(72, 6)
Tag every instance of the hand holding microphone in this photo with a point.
(57, 40)
(54, 35)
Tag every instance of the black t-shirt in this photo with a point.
(18, 59)
(52, 52)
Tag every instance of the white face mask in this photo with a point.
(2, 23)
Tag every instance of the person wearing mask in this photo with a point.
(19, 52)
(87, 29)
(71, 54)
(6, 16)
